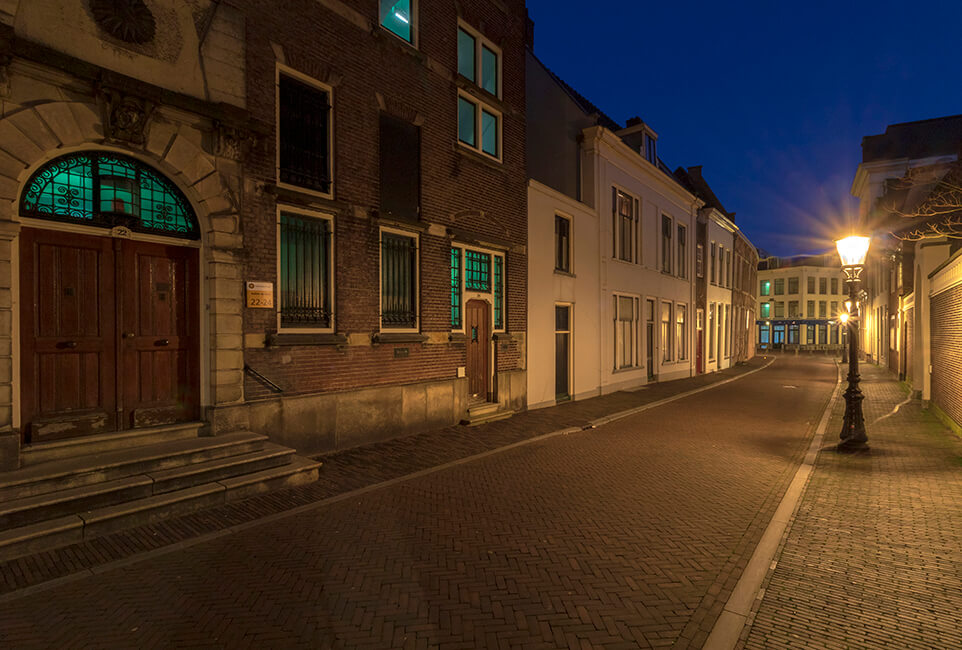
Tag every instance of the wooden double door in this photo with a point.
(109, 334)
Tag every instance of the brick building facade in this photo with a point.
(324, 201)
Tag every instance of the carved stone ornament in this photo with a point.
(232, 142)
(120, 232)
(126, 117)
(130, 21)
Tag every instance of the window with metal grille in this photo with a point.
(562, 241)
(106, 189)
(305, 272)
(399, 280)
(498, 292)
(304, 129)
(477, 271)
(455, 288)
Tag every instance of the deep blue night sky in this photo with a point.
(772, 98)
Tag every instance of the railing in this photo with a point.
(264, 380)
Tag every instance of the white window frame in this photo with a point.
(417, 281)
(313, 214)
(667, 347)
(482, 106)
(571, 244)
(661, 242)
(635, 226)
(634, 329)
(681, 264)
(281, 69)
(479, 41)
(681, 343)
(415, 25)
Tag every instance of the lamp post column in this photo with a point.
(853, 425)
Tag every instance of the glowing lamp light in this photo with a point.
(853, 250)
(848, 306)
(843, 318)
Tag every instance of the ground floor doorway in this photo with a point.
(109, 336)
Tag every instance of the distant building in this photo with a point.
(799, 300)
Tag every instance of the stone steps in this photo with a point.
(485, 412)
(71, 499)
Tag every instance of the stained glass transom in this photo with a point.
(477, 271)
(106, 189)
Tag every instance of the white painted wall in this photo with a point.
(609, 162)
(547, 287)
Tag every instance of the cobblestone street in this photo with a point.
(629, 535)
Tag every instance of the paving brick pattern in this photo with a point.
(630, 535)
(872, 557)
(346, 471)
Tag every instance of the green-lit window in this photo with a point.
(397, 16)
(467, 49)
(467, 122)
(477, 271)
(766, 287)
(489, 133)
(489, 70)
(305, 271)
(498, 292)
(455, 288)
(766, 309)
(107, 190)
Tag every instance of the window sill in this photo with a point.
(281, 339)
(505, 336)
(567, 274)
(398, 337)
(475, 155)
(618, 371)
(457, 337)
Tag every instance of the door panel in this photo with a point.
(68, 357)
(477, 322)
(159, 334)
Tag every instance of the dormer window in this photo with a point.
(650, 152)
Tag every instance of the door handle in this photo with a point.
(129, 335)
(67, 344)
(162, 342)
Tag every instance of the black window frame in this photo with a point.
(304, 135)
(562, 241)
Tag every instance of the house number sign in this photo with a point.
(260, 295)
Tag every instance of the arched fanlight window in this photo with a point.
(101, 188)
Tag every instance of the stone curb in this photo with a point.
(727, 630)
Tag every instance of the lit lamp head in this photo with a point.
(852, 250)
(843, 318)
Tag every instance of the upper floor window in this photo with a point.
(835, 286)
(682, 251)
(714, 253)
(562, 243)
(779, 286)
(479, 60)
(625, 208)
(397, 16)
(304, 134)
(823, 285)
(651, 154)
(765, 287)
(700, 260)
(666, 243)
(792, 285)
(479, 123)
(810, 284)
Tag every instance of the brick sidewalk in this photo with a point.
(345, 471)
(871, 559)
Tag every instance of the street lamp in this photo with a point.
(853, 250)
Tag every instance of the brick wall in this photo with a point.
(946, 341)
(370, 70)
